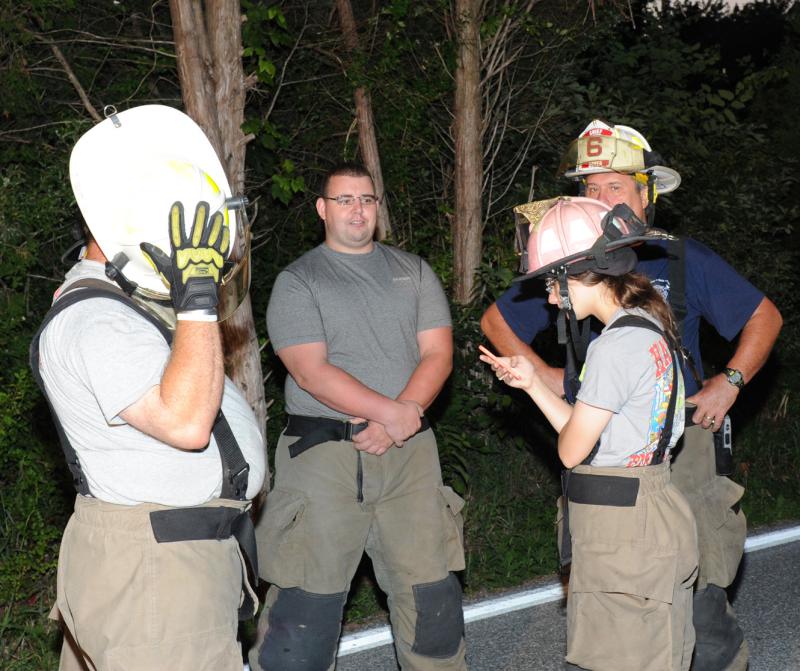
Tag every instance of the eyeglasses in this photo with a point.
(347, 200)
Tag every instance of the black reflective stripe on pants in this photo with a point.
(303, 631)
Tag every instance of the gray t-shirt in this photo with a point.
(97, 358)
(366, 308)
(629, 371)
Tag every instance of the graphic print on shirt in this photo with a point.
(662, 359)
(662, 286)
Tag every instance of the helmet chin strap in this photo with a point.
(650, 210)
(576, 340)
(114, 273)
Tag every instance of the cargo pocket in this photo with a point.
(623, 569)
(453, 526)
(622, 592)
(730, 529)
(280, 539)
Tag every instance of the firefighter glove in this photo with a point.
(193, 271)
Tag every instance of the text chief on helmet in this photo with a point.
(607, 148)
(614, 164)
(128, 171)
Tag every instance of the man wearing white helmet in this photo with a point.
(615, 164)
(164, 452)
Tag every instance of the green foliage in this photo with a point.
(714, 92)
(34, 511)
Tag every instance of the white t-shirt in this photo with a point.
(630, 371)
(97, 358)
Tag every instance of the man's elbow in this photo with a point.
(774, 315)
(192, 436)
(489, 320)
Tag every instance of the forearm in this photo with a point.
(342, 392)
(506, 342)
(555, 409)
(427, 380)
(756, 340)
(180, 411)
(191, 386)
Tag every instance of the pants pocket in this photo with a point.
(626, 610)
(452, 505)
(280, 539)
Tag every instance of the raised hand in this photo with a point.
(193, 270)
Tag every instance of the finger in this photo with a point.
(159, 260)
(215, 231)
(176, 224)
(199, 226)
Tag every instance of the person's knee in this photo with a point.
(718, 635)
(440, 618)
(303, 631)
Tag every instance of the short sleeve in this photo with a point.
(525, 309)
(724, 298)
(433, 310)
(293, 316)
(119, 354)
(612, 371)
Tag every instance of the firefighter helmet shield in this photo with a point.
(602, 147)
(582, 234)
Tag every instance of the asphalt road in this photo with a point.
(766, 598)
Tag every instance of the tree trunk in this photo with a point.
(208, 47)
(367, 142)
(467, 225)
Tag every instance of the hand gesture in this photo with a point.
(515, 371)
(193, 271)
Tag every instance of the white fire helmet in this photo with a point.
(603, 147)
(128, 170)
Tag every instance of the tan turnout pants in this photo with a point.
(129, 603)
(721, 531)
(314, 532)
(633, 568)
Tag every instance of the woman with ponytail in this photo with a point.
(629, 534)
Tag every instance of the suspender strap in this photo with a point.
(677, 281)
(235, 469)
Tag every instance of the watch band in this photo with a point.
(735, 377)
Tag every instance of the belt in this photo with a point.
(211, 523)
(315, 430)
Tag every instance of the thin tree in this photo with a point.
(367, 141)
(208, 46)
(467, 224)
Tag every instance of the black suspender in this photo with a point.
(235, 470)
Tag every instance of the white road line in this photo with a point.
(378, 636)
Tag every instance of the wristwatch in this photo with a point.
(735, 377)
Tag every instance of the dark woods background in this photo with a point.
(716, 93)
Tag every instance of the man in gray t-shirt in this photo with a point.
(364, 332)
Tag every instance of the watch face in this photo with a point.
(735, 377)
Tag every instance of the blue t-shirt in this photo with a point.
(714, 291)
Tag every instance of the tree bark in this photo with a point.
(467, 224)
(367, 141)
(208, 47)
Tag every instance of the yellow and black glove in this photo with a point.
(193, 272)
